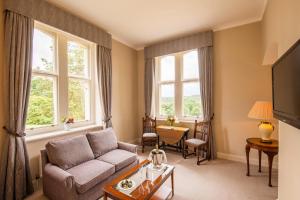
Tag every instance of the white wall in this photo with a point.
(281, 29)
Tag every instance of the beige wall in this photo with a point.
(240, 80)
(124, 91)
(281, 29)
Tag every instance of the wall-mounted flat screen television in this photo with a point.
(286, 86)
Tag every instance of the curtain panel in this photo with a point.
(148, 86)
(104, 74)
(205, 57)
(52, 15)
(15, 177)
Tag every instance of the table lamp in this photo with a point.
(262, 110)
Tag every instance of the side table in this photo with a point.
(271, 149)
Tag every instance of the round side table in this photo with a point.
(271, 149)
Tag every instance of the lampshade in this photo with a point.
(261, 110)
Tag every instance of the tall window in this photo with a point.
(62, 82)
(178, 86)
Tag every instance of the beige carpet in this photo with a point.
(214, 180)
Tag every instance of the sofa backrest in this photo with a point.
(102, 141)
(69, 152)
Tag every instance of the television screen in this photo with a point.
(286, 86)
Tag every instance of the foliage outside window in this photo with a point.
(62, 83)
(178, 86)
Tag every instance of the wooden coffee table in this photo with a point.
(146, 188)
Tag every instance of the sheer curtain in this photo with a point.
(15, 177)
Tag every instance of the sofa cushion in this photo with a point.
(69, 152)
(102, 141)
(119, 158)
(90, 173)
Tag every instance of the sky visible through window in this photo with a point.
(190, 71)
(43, 55)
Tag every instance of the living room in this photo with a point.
(72, 68)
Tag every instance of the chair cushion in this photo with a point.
(194, 142)
(149, 135)
(119, 158)
(90, 173)
(69, 152)
(102, 141)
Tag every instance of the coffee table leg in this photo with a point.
(105, 196)
(172, 182)
(247, 155)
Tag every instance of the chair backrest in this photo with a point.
(149, 125)
(202, 130)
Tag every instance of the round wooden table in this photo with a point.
(271, 149)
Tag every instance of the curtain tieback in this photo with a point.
(107, 119)
(13, 133)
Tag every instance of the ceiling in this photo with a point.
(139, 23)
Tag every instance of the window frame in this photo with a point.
(62, 79)
(178, 84)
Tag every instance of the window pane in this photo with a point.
(167, 104)
(191, 100)
(77, 59)
(167, 68)
(190, 65)
(79, 99)
(42, 102)
(43, 51)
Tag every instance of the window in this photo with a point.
(178, 86)
(62, 83)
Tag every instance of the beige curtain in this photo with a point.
(205, 56)
(104, 72)
(148, 84)
(15, 178)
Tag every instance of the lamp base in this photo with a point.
(266, 129)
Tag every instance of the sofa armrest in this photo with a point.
(58, 176)
(128, 147)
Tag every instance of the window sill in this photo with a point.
(53, 134)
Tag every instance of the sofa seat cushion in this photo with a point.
(119, 158)
(69, 152)
(102, 141)
(90, 173)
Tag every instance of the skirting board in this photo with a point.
(242, 159)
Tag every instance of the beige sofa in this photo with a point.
(78, 167)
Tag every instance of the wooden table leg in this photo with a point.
(259, 160)
(105, 196)
(172, 182)
(270, 160)
(247, 155)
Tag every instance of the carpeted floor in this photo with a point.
(214, 180)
